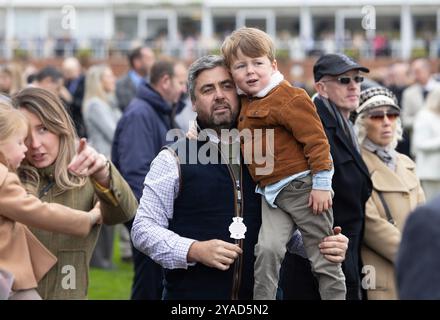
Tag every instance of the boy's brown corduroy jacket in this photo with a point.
(299, 142)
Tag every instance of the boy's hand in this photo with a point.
(320, 200)
(192, 131)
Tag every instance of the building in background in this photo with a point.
(190, 28)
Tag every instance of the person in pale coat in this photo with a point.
(415, 95)
(427, 144)
(100, 111)
(396, 189)
(101, 115)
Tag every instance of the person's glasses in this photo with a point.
(346, 79)
(379, 115)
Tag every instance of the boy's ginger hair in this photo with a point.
(251, 42)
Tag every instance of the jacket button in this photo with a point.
(255, 113)
(241, 118)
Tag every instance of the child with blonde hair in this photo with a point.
(299, 182)
(21, 254)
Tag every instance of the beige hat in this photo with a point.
(376, 97)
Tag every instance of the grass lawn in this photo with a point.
(111, 284)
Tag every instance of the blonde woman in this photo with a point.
(396, 189)
(58, 171)
(101, 115)
(11, 78)
(23, 259)
(426, 144)
(100, 110)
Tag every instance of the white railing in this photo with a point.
(293, 49)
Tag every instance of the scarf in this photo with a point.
(386, 154)
(345, 124)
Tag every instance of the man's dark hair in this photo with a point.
(49, 72)
(134, 54)
(162, 67)
(30, 78)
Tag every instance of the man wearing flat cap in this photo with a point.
(338, 80)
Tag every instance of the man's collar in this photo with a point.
(431, 84)
(135, 78)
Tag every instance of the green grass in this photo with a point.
(111, 284)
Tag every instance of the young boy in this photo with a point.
(300, 180)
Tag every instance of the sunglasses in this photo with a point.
(392, 115)
(346, 80)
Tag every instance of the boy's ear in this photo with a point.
(275, 64)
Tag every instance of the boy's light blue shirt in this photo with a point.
(322, 180)
(135, 78)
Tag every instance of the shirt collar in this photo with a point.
(431, 84)
(135, 78)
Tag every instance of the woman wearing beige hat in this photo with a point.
(396, 189)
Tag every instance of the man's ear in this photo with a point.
(136, 64)
(165, 81)
(321, 89)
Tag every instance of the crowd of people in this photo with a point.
(224, 180)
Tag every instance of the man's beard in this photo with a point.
(219, 122)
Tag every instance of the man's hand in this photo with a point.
(214, 253)
(320, 200)
(334, 247)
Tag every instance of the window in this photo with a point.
(223, 25)
(259, 23)
(188, 27)
(27, 24)
(2, 24)
(287, 27)
(157, 29)
(126, 27)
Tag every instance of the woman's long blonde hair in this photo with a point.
(15, 72)
(11, 121)
(94, 87)
(50, 111)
